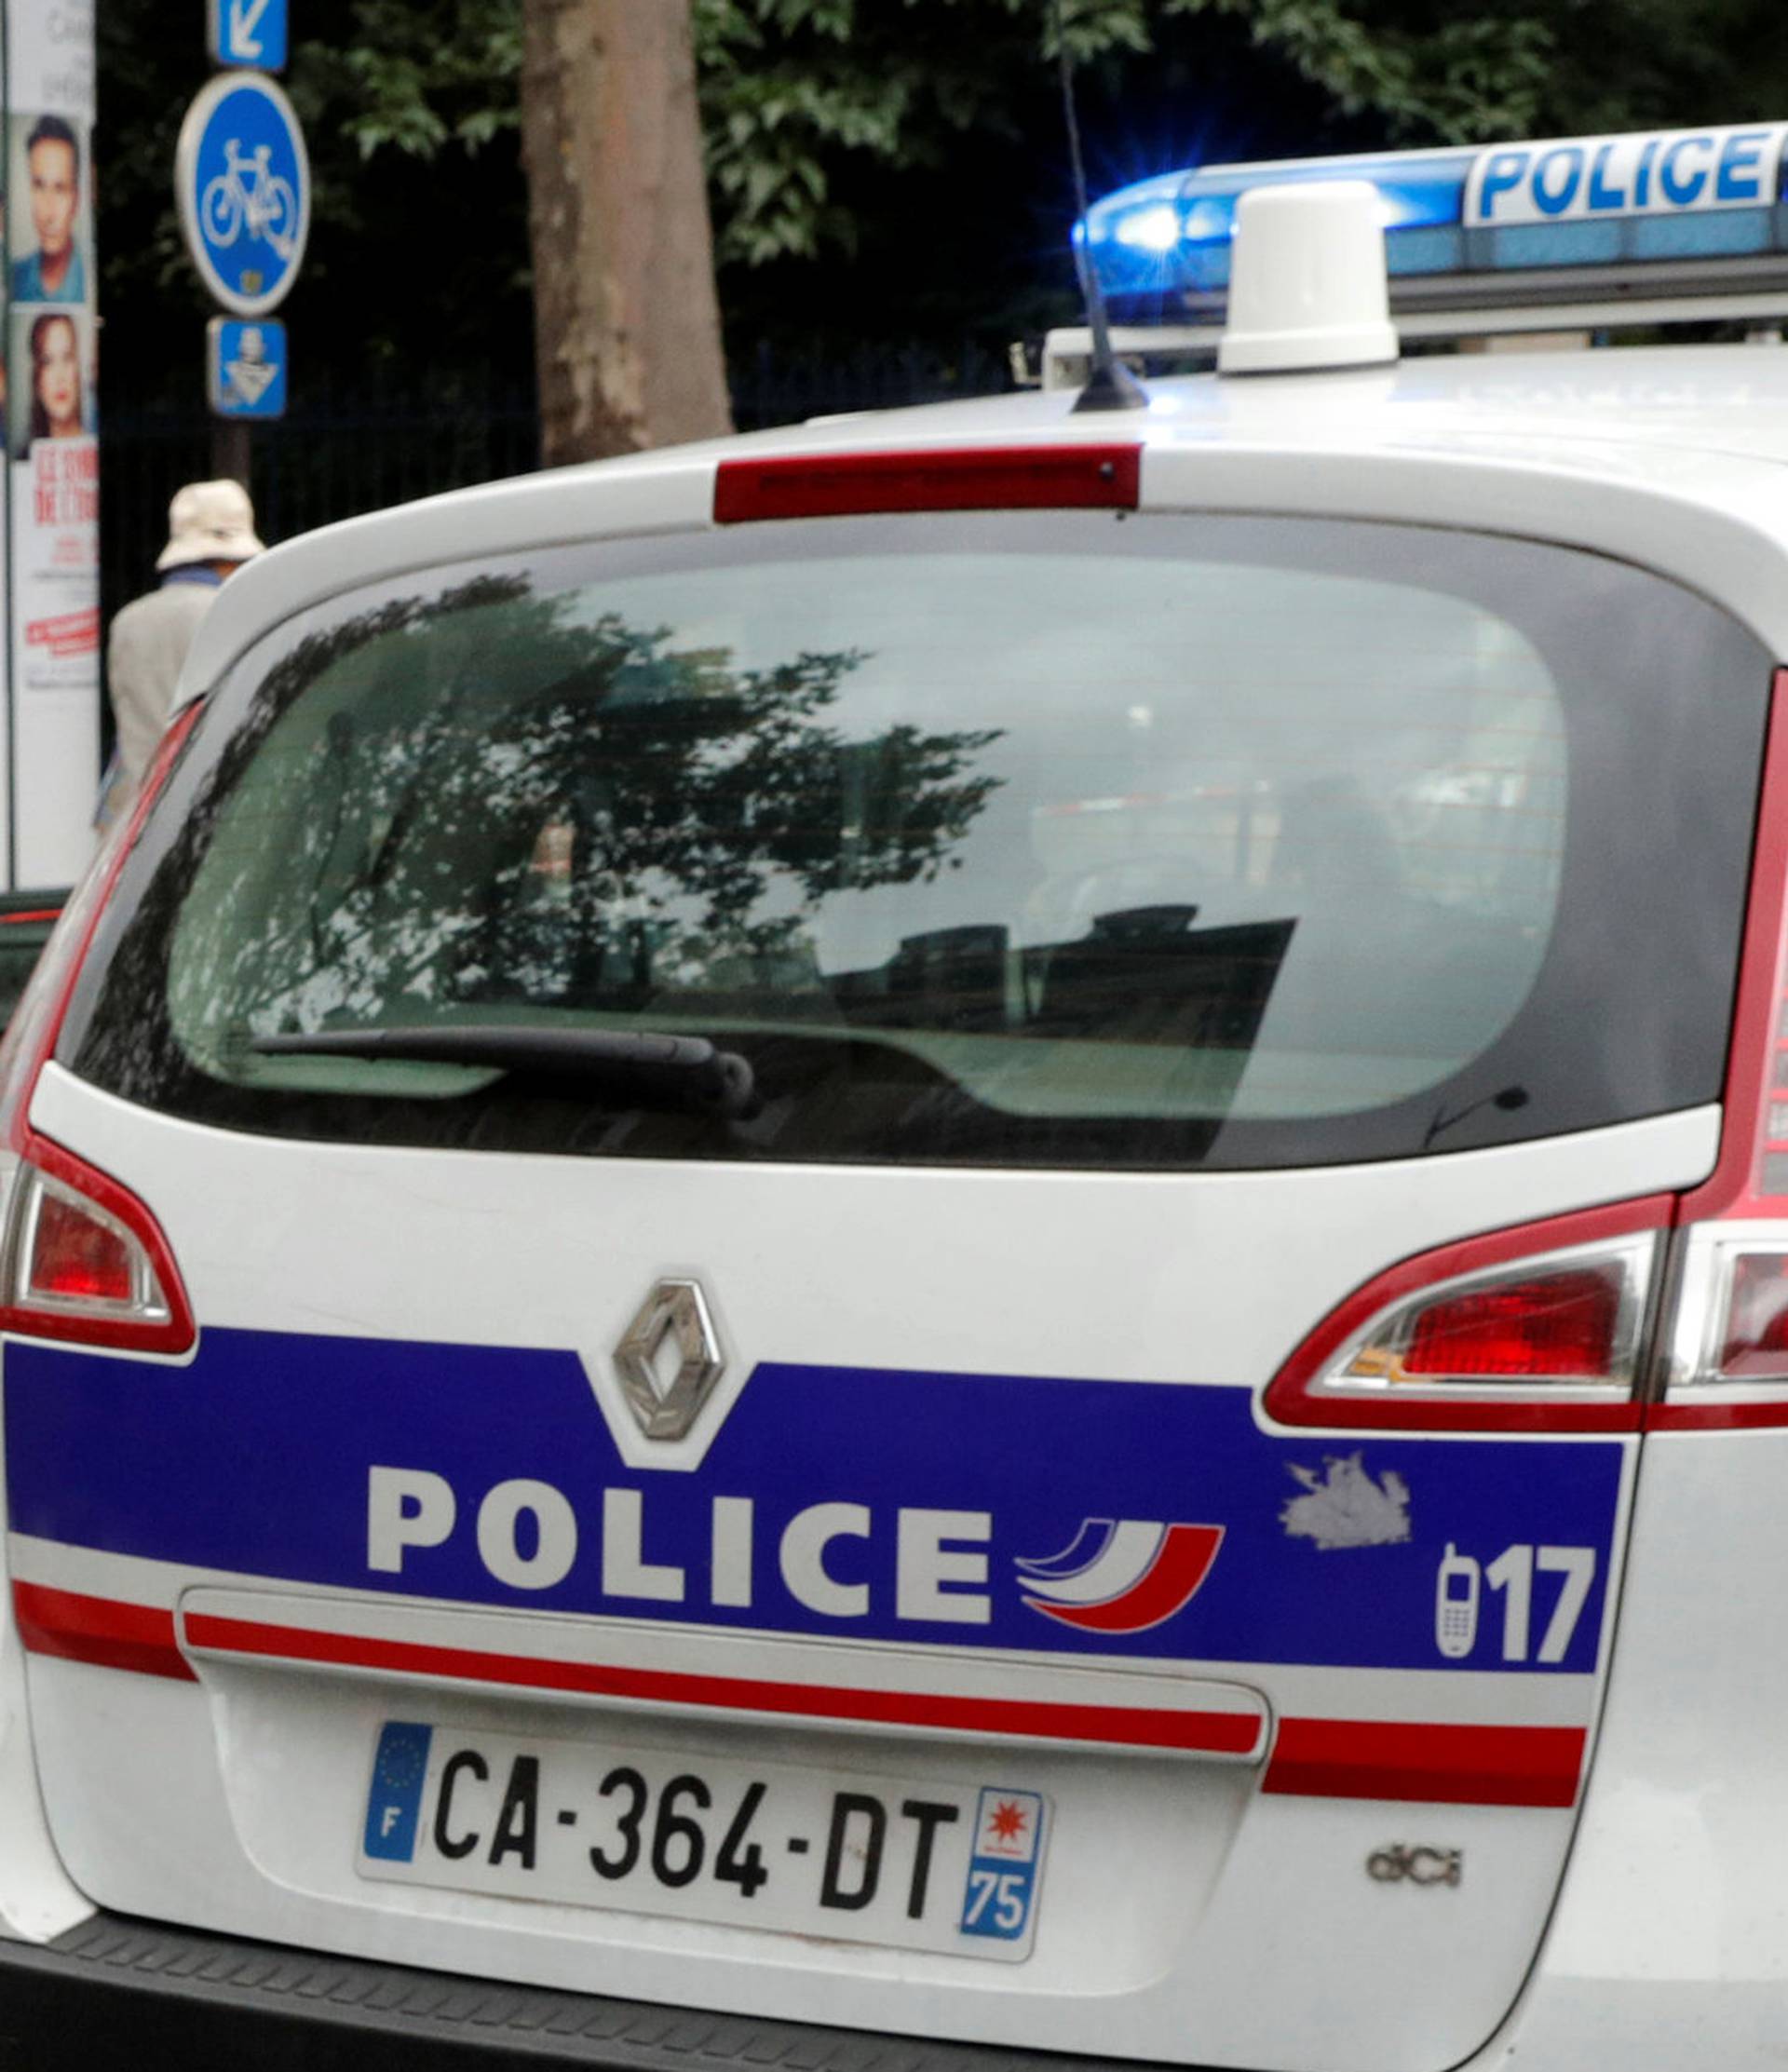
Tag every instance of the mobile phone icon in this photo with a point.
(1455, 1604)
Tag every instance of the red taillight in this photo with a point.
(86, 1260)
(1064, 477)
(1534, 1329)
(1727, 1339)
(1754, 1340)
(76, 1255)
(1549, 1325)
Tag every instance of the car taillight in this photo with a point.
(73, 1253)
(1754, 1329)
(1728, 1340)
(1513, 1331)
(83, 1258)
(1544, 1326)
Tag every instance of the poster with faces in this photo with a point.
(51, 383)
(50, 425)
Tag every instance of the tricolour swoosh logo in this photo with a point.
(1122, 1576)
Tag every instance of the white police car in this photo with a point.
(969, 1227)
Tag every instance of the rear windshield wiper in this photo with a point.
(675, 1070)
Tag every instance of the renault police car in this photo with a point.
(969, 1227)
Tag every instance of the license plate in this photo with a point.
(917, 1866)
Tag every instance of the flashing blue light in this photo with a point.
(1152, 229)
(1133, 237)
(1648, 197)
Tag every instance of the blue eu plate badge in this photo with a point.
(395, 1801)
(1002, 1870)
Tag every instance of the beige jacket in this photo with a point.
(148, 644)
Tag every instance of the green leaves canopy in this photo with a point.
(792, 89)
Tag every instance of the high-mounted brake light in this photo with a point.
(82, 1258)
(1522, 1330)
(1066, 477)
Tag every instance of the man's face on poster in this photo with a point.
(55, 193)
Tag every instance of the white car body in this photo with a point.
(1199, 1907)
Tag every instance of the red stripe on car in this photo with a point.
(1441, 1765)
(100, 1630)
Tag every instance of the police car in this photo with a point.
(968, 1228)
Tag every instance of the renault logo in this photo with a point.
(675, 1311)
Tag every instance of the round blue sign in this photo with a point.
(243, 184)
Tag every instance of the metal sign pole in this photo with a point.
(230, 449)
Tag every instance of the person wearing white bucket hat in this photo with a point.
(210, 532)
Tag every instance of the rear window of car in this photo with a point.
(1050, 839)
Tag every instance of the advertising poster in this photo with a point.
(51, 426)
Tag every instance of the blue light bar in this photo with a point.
(1642, 199)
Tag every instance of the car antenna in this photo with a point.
(1110, 384)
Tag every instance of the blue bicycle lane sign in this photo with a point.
(243, 183)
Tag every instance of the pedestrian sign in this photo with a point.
(243, 183)
(246, 367)
(247, 33)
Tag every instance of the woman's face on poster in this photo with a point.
(59, 378)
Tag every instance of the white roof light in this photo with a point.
(1307, 284)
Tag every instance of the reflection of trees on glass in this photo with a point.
(487, 799)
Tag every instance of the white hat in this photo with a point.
(209, 522)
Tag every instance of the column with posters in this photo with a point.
(52, 445)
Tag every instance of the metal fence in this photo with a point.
(340, 451)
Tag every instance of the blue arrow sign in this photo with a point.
(247, 33)
(246, 367)
(243, 183)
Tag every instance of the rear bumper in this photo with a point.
(119, 1992)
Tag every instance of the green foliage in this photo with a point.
(1451, 79)
(792, 89)
(420, 74)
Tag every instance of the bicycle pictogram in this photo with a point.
(248, 194)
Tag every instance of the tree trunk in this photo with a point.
(627, 324)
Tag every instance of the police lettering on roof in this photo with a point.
(1647, 174)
